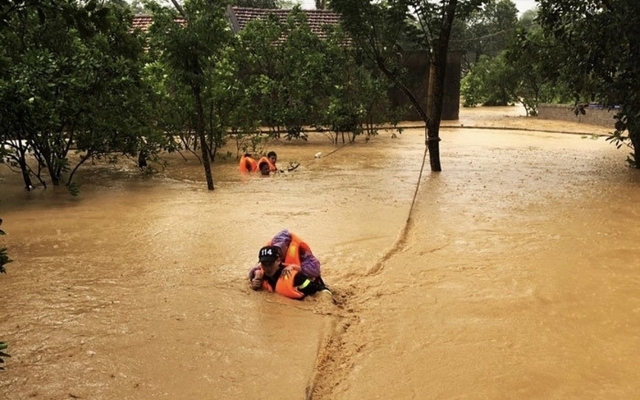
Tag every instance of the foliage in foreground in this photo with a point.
(3, 355)
(70, 93)
(599, 41)
(4, 259)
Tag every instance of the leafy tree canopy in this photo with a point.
(600, 42)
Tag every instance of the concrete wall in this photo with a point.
(594, 115)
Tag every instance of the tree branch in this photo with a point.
(179, 8)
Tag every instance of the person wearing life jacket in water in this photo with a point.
(248, 164)
(275, 277)
(296, 252)
(267, 164)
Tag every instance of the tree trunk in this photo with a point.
(634, 136)
(197, 97)
(46, 152)
(25, 172)
(435, 97)
(434, 111)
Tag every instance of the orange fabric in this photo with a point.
(293, 252)
(272, 166)
(284, 286)
(248, 164)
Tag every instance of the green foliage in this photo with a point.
(4, 258)
(486, 31)
(599, 40)
(71, 83)
(191, 58)
(520, 73)
(285, 77)
(3, 355)
(295, 79)
(492, 82)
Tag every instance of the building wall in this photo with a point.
(594, 115)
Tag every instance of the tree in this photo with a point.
(601, 46)
(532, 57)
(85, 17)
(66, 87)
(192, 51)
(296, 79)
(491, 82)
(486, 31)
(382, 30)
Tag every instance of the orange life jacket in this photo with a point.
(293, 252)
(272, 166)
(248, 164)
(284, 286)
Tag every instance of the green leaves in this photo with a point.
(3, 346)
(4, 259)
(73, 81)
(599, 46)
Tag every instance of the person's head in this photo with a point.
(264, 168)
(269, 257)
(273, 157)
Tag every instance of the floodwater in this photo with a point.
(515, 274)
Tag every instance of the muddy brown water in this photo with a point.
(515, 277)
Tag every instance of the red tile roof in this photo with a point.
(317, 19)
(143, 22)
(240, 16)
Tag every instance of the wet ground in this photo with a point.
(514, 275)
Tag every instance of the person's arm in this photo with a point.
(282, 239)
(256, 276)
(310, 265)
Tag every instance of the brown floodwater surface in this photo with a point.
(516, 276)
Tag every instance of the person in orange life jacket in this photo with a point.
(248, 164)
(274, 276)
(267, 164)
(296, 252)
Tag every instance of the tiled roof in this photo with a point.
(143, 22)
(317, 19)
(240, 16)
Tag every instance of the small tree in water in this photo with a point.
(192, 51)
(382, 29)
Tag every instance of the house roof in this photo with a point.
(239, 17)
(143, 22)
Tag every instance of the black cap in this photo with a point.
(268, 254)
